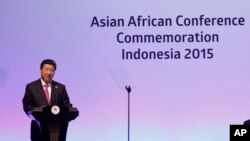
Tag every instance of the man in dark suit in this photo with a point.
(44, 92)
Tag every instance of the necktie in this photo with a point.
(46, 90)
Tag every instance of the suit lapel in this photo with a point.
(41, 92)
(53, 94)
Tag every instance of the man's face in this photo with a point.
(47, 73)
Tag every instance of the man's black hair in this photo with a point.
(48, 61)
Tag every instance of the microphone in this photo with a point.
(128, 88)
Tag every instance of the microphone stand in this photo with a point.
(128, 88)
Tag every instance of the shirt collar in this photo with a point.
(43, 83)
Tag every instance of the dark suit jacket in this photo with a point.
(35, 97)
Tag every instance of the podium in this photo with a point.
(53, 121)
